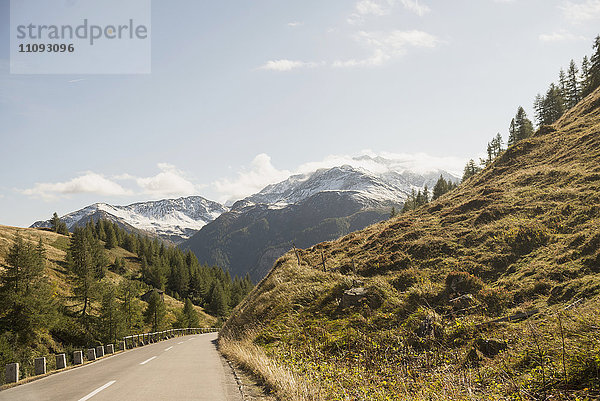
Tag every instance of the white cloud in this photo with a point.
(383, 162)
(387, 45)
(87, 183)
(294, 24)
(378, 8)
(249, 181)
(414, 6)
(286, 65)
(581, 11)
(169, 182)
(262, 172)
(560, 36)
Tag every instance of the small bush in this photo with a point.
(524, 238)
(494, 300)
(405, 280)
(463, 283)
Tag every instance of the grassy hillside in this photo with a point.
(56, 250)
(64, 333)
(489, 293)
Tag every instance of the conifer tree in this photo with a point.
(111, 238)
(523, 125)
(585, 77)
(470, 170)
(54, 222)
(191, 316)
(218, 300)
(111, 322)
(130, 306)
(87, 263)
(594, 80)
(573, 93)
(57, 225)
(553, 106)
(563, 83)
(155, 312)
(538, 109)
(440, 188)
(27, 305)
(512, 133)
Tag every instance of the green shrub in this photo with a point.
(463, 283)
(523, 238)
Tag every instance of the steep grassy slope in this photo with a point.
(491, 292)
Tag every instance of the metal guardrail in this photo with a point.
(138, 340)
(40, 366)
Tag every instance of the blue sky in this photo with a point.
(242, 94)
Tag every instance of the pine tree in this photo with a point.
(553, 106)
(440, 188)
(595, 67)
(111, 238)
(57, 225)
(191, 316)
(512, 133)
(585, 77)
(563, 83)
(156, 312)
(538, 110)
(130, 306)
(470, 170)
(573, 93)
(54, 222)
(111, 322)
(27, 305)
(87, 263)
(393, 212)
(218, 301)
(523, 125)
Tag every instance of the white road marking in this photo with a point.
(166, 349)
(147, 360)
(93, 393)
(180, 342)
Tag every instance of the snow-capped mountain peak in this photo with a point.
(388, 186)
(172, 219)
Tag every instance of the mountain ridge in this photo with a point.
(303, 210)
(172, 219)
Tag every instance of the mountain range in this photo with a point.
(302, 210)
(174, 220)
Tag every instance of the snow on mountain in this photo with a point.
(384, 186)
(173, 219)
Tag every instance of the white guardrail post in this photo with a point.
(129, 342)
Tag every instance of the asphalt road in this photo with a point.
(182, 368)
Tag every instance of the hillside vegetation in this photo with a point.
(58, 325)
(488, 293)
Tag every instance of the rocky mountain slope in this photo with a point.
(490, 292)
(174, 220)
(302, 210)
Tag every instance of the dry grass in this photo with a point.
(277, 378)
